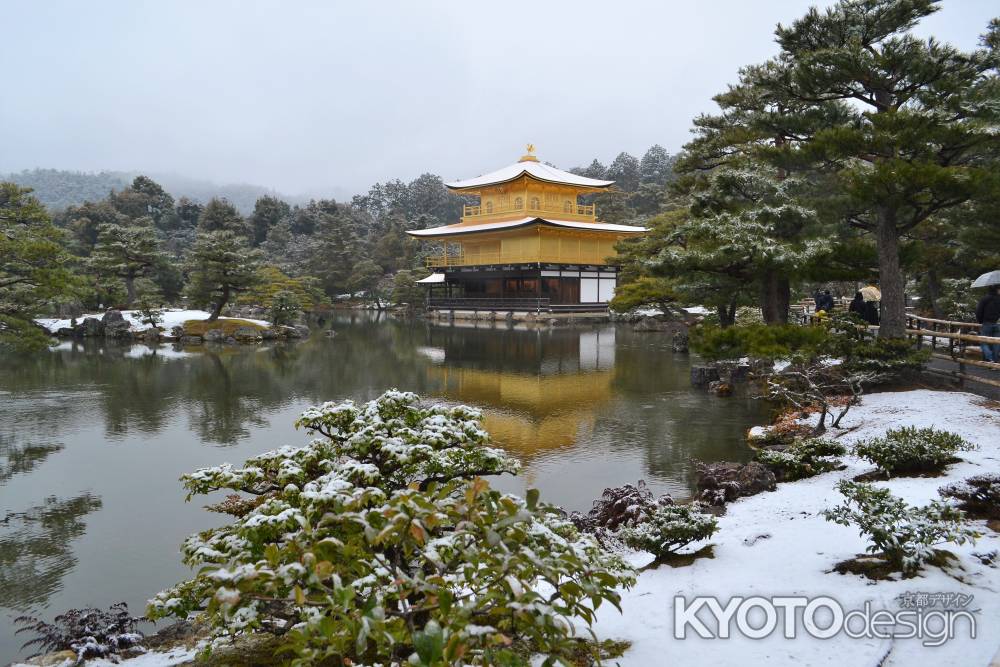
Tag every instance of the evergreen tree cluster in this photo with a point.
(859, 153)
(139, 247)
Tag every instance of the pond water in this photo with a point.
(94, 436)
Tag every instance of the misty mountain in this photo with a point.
(59, 188)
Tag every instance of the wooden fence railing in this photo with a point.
(948, 341)
(952, 337)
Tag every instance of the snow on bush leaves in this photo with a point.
(912, 449)
(905, 535)
(90, 633)
(379, 542)
(805, 457)
(669, 528)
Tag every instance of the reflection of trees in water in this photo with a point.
(687, 425)
(224, 390)
(227, 390)
(16, 459)
(36, 548)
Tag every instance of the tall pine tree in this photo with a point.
(921, 126)
(33, 265)
(221, 265)
(128, 252)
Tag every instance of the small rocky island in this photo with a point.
(186, 327)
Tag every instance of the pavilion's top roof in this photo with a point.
(452, 230)
(529, 164)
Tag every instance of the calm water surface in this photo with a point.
(93, 437)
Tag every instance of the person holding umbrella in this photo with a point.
(988, 314)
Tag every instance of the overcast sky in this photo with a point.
(323, 96)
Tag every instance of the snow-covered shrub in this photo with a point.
(912, 449)
(957, 300)
(862, 352)
(379, 543)
(285, 308)
(749, 315)
(668, 529)
(620, 506)
(90, 633)
(979, 494)
(905, 535)
(805, 457)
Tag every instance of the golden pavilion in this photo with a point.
(528, 244)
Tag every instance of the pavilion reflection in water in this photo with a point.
(539, 389)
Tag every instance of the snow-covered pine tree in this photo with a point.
(221, 264)
(656, 165)
(33, 265)
(757, 219)
(128, 250)
(920, 135)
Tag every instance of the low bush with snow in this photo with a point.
(805, 457)
(904, 535)
(669, 528)
(620, 506)
(979, 494)
(911, 449)
(379, 543)
(89, 633)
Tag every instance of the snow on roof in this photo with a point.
(431, 279)
(451, 230)
(542, 172)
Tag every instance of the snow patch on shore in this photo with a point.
(778, 543)
(171, 318)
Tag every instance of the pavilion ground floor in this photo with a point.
(527, 288)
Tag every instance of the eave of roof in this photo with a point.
(459, 229)
(536, 170)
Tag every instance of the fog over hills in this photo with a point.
(60, 188)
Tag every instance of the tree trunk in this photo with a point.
(775, 296)
(219, 306)
(934, 293)
(130, 295)
(893, 306)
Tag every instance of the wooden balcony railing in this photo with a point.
(539, 305)
(439, 261)
(574, 211)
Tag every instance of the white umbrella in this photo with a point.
(871, 293)
(987, 279)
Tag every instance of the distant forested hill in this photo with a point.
(58, 189)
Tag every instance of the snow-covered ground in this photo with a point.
(652, 312)
(778, 544)
(171, 318)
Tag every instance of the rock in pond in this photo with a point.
(703, 376)
(719, 483)
(215, 336)
(247, 335)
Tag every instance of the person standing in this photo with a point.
(826, 300)
(988, 314)
(858, 305)
(871, 313)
